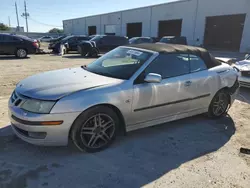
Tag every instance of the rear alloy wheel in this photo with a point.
(219, 105)
(93, 53)
(21, 53)
(95, 129)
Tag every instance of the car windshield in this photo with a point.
(97, 37)
(132, 40)
(119, 63)
(166, 40)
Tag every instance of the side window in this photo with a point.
(71, 40)
(105, 40)
(83, 38)
(196, 64)
(169, 65)
(9, 39)
(120, 41)
(145, 40)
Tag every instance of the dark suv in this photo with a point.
(70, 43)
(101, 44)
(17, 45)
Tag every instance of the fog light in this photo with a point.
(38, 135)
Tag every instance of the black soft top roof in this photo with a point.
(175, 48)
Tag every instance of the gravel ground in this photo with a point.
(194, 152)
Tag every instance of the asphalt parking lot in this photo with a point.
(194, 152)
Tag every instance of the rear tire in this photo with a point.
(219, 104)
(21, 53)
(95, 129)
(81, 51)
(93, 52)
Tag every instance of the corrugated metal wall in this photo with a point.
(192, 12)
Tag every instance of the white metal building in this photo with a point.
(219, 24)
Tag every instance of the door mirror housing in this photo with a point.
(246, 56)
(153, 78)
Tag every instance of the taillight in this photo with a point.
(35, 44)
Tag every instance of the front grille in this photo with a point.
(21, 131)
(15, 99)
(245, 73)
(36, 135)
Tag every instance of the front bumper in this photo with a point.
(244, 81)
(47, 135)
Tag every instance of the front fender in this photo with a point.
(119, 96)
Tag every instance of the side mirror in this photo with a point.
(153, 78)
(246, 56)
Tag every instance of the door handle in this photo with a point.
(188, 83)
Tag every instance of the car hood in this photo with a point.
(54, 85)
(243, 65)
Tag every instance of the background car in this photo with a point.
(72, 42)
(244, 71)
(139, 40)
(174, 40)
(46, 39)
(129, 88)
(54, 44)
(101, 44)
(17, 45)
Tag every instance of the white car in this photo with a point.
(45, 39)
(244, 71)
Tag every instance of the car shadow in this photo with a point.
(12, 58)
(244, 95)
(135, 160)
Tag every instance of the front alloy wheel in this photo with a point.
(95, 129)
(219, 105)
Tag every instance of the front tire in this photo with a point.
(95, 129)
(219, 104)
(21, 53)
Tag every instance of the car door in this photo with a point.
(10, 44)
(202, 82)
(105, 44)
(168, 98)
(1, 44)
(72, 43)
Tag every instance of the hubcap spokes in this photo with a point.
(21, 53)
(220, 104)
(97, 130)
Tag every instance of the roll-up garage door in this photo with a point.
(224, 32)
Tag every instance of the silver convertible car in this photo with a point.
(129, 88)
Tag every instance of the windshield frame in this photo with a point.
(130, 75)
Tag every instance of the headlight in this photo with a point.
(37, 106)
